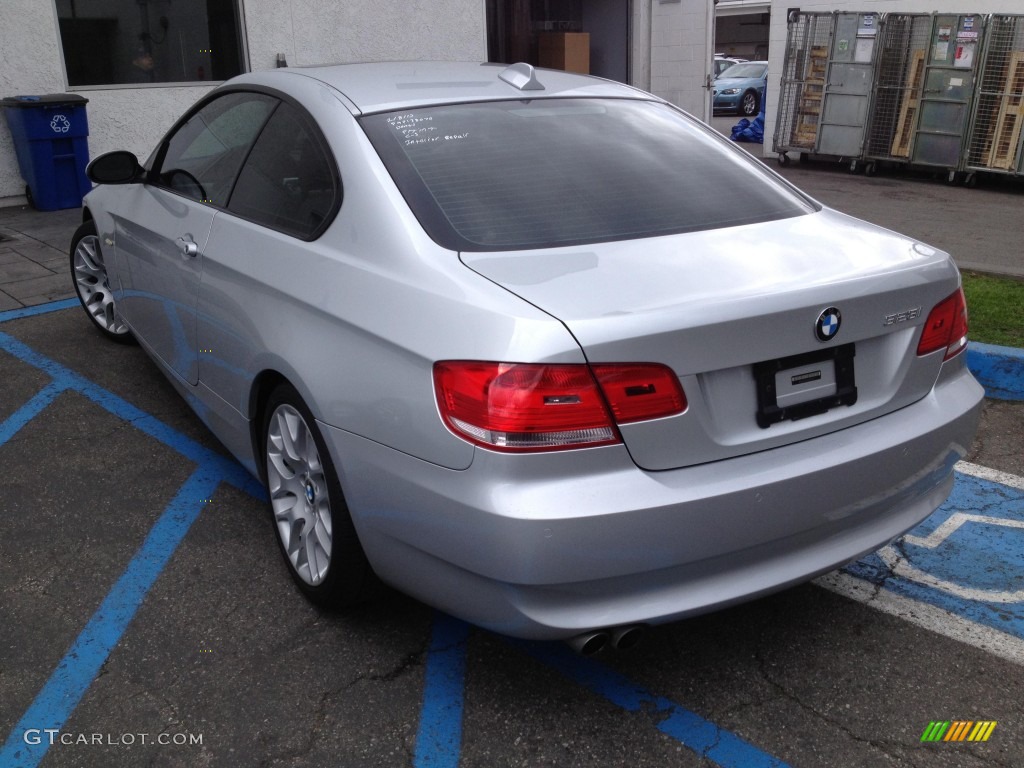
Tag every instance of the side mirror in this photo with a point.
(115, 168)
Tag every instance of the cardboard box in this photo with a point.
(569, 51)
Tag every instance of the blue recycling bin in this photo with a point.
(51, 140)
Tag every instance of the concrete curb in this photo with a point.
(999, 369)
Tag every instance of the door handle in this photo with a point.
(187, 246)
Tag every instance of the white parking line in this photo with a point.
(898, 564)
(928, 616)
(994, 475)
(924, 615)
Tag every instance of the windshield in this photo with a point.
(746, 69)
(721, 65)
(554, 172)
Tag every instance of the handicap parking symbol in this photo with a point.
(967, 557)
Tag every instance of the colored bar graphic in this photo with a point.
(958, 730)
(982, 731)
(935, 730)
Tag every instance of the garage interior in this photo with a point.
(741, 29)
(591, 37)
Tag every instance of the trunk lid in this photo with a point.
(723, 307)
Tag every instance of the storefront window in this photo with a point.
(133, 42)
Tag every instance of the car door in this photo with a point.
(264, 252)
(163, 225)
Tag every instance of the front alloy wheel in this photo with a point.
(749, 104)
(314, 529)
(93, 285)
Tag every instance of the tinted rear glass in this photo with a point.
(547, 172)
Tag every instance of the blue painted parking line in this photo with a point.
(65, 379)
(438, 742)
(999, 369)
(966, 558)
(10, 427)
(439, 739)
(965, 586)
(80, 665)
(39, 309)
(694, 732)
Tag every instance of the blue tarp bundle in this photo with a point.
(752, 131)
(747, 130)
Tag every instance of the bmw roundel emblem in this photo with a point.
(828, 324)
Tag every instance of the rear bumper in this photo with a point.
(550, 545)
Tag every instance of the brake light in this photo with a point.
(640, 391)
(946, 327)
(536, 407)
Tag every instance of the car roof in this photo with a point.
(387, 86)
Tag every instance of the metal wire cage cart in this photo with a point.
(995, 140)
(828, 97)
(950, 74)
(802, 91)
(899, 77)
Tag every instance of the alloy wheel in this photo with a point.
(93, 286)
(299, 494)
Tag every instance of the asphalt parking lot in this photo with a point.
(148, 618)
(982, 227)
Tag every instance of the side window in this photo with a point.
(203, 156)
(289, 182)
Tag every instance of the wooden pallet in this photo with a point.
(908, 109)
(808, 108)
(1006, 136)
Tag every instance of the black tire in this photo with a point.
(750, 103)
(290, 470)
(783, 158)
(92, 285)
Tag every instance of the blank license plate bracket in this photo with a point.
(799, 386)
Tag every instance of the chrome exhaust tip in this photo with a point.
(624, 638)
(588, 643)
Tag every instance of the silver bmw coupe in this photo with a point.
(538, 349)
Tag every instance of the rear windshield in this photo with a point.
(558, 172)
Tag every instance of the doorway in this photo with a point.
(590, 37)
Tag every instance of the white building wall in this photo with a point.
(678, 40)
(30, 63)
(777, 41)
(331, 32)
(306, 31)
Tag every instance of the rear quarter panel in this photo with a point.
(356, 319)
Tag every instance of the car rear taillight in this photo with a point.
(640, 391)
(536, 407)
(946, 327)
